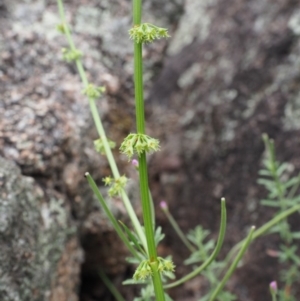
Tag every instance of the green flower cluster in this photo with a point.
(144, 269)
(61, 28)
(147, 33)
(116, 185)
(138, 143)
(99, 146)
(71, 55)
(92, 91)
(165, 265)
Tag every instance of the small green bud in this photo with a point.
(99, 147)
(138, 143)
(92, 91)
(116, 185)
(107, 181)
(143, 271)
(165, 265)
(147, 33)
(71, 55)
(61, 28)
(169, 266)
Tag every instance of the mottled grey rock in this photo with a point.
(34, 230)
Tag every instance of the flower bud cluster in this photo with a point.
(99, 146)
(147, 33)
(144, 269)
(165, 265)
(71, 55)
(61, 28)
(138, 143)
(116, 185)
(92, 91)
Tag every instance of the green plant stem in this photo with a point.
(215, 253)
(118, 229)
(140, 124)
(110, 286)
(233, 265)
(139, 94)
(157, 283)
(262, 230)
(178, 231)
(137, 11)
(146, 206)
(152, 209)
(143, 173)
(274, 297)
(101, 131)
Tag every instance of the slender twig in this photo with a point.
(110, 215)
(110, 286)
(215, 253)
(233, 265)
(178, 230)
(262, 230)
(100, 129)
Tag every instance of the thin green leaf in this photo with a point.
(291, 183)
(132, 238)
(282, 168)
(296, 235)
(264, 172)
(269, 203)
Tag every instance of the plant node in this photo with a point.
(92, 91)
(71, 55)
(116, 185)
(99, 146)
(144, 270)
(147, 33)
(138, 143)
(61, 28)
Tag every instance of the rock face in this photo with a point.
(35, 230)
(229, 72)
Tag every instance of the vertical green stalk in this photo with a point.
(143, 172)
(139, 94)
(140, 124)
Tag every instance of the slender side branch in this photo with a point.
(212, 256)
(100, 129)
(118, 229)
(176, 227)
(233, 265)
(110, 286)
(262, 230)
